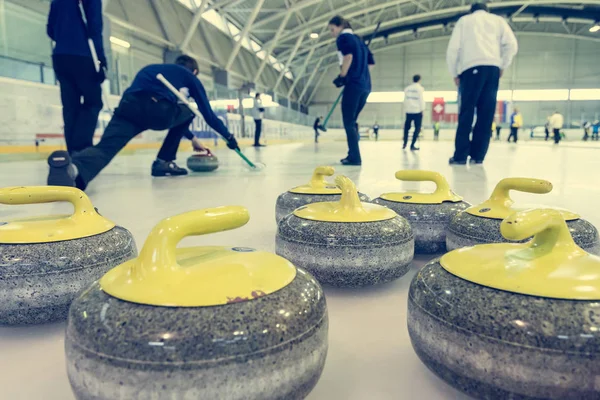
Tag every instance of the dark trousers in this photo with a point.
(353, 101)
(547, 131)
(258, 130)
(136, 113)
(376, 133)
(317, 136)
(556, 135)
(498, 129)
(514, 134)
(478, 89)
(81, 96)
(418, 120)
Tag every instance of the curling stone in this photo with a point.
(46, 261)
(481, 224)
(205, 162)
(427, 213)
(512, 320)
(347, 243)
(198, 322)
(316, 191)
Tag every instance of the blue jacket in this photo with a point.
(358, 74)
(185, 82)
(67, 29)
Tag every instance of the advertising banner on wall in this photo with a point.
(201, 130)
(438, 109)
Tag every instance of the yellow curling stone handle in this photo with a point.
(441, 194)
(84, 222)
(318, 184)
(550, 265)
(500, 205)
(163, 275)
(348, 209)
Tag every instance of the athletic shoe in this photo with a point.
(349, 162)
(452, 161)
(414, 148)
(62, 171)
(259, 145)
(167, 168)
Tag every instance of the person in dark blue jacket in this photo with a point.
(80, 82)
(147, 104)
(355, 60)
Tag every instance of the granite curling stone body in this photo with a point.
(512, 320)
(316, 191)
(203, 162)
(198, 323)
(427, 213)
(46, 261)
(347, 243)
(481, 223)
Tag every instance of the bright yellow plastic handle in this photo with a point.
(318, 177)
(350, 199)
(414, 175)
(501, 191)
(159, 251)
(547, 226)
(48, 194)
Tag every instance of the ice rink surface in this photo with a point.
(370, 356)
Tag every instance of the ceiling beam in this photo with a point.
(193, 26)
(288, 62)
(300, 74)
(296, 7)
(243, 34)
(269, 50)
(310, 79)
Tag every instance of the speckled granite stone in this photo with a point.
(198, 163)
(39, 281)
(428, 221)
(288, 202)
(347, 254)
(273, 347)
(493, 344)
(468, 230)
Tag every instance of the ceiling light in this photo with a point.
(120, 42)
(595, 28)
(314, 35)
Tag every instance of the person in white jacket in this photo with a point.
(482, 46)
(556, 123)
(258, 112)
(414, 105)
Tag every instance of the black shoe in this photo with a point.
(413, 148)
(62, 171)
(349, 162)
(404, 147)
(452, 161)
(474, 161)
(259, 145)
(167, 168)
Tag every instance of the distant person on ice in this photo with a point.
(355, 62)
(316, 126)
(414, 105)
(516, 123)
(258, 111)
(147, 104)
(80, 83)
(482, 46)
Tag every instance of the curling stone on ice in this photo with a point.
(347, 243)
(427, 213)
(316, 191)
(481, 223)
(204, 162)
(198, 322)
(46, 261)
(512, 320)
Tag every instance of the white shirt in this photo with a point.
(414, 102)
(480, 39)
(557, 121)
(256, 113)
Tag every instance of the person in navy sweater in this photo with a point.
(355, 60)
(147, 104)
(80, 82)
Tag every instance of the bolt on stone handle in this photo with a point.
(501, 194)
(318, 177)
(414, 175)
(547, 226)
(21, 195)
(350, 199)
(159, 251)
